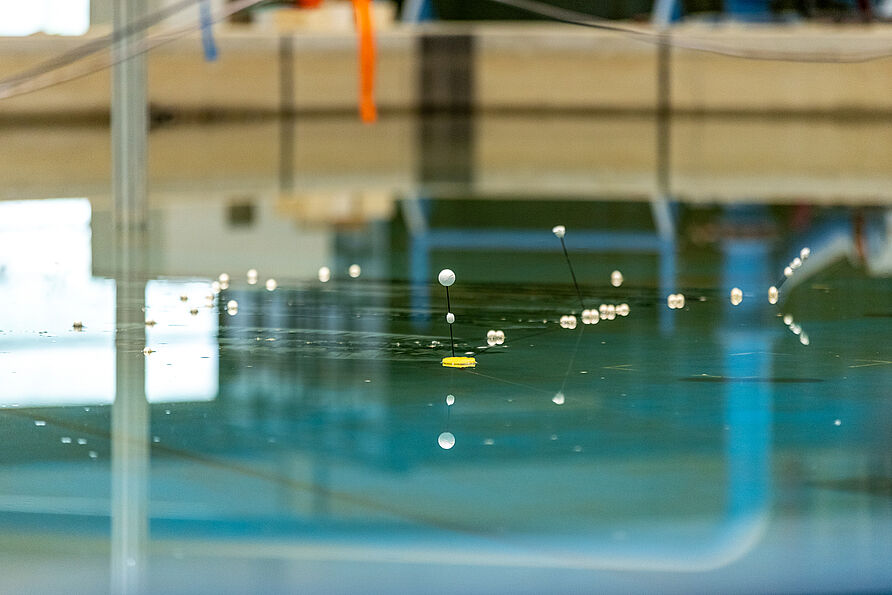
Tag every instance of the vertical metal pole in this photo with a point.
(287, 117)
(129, 423)
(129, 119)
(662, 18)
(130, 413)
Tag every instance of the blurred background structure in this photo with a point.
(181, 427)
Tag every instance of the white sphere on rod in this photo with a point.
(446, 277)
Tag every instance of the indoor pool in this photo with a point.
(248, 395)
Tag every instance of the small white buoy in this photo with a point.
(558, 399)
(736, 296)
(611, 312)
(324, 274)
(623, 310)
(499, 337)
(216, 287)
(450, 317)
(772, 295)
(788, 272)
(354, 271)
(571, 322)
(805, 253)
(796, 263)
(788, 319)
(223, 278)
(450, 400)
(837, 422)
(795, 328)
(559, 230)
(490, 334)
(446, 440)
(679, 301)
(590, 317)
(803, 338)
(271, 284)
(446, 277)
(616, 278)
(252, 276)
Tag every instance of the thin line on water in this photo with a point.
(274, 477)
(572, 358)
(527, 386)
(484, 350)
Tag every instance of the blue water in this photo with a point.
(292, 446)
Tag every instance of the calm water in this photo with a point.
(154, 437)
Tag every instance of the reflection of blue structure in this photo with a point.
(423, 239)
(840, 237)
(748, 404)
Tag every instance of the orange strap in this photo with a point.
(362, 11)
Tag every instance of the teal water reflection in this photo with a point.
(299, 437)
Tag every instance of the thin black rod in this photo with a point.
(448, 310)
(572, 274)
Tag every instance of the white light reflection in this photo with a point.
(60, 17)
(186, 359)
(47, 284)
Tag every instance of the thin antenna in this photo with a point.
(560, 231)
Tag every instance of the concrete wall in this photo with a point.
(337, 166)
(512, 66)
